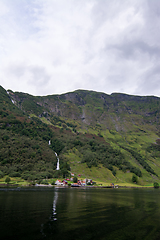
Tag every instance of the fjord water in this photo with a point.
(75, 213)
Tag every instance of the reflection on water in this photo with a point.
(81, 214)
(54, 206)
(48, 228)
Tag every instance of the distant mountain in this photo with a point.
(106, 137)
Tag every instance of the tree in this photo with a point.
(90, 158)
(75, 180)
(7, 180)
(114, 172)
(53, 182)
(156, 185)
(134, 179)
(1, 174)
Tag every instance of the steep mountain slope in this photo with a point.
(91, 107)
(107, 137)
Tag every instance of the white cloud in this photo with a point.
(51, 46)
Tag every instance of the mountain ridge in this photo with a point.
(77, 104)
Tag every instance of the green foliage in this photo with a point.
(15, 174)
(7, 180)
(135, 170)
(75, 179)
(44, 182)
(109, 123)
(57, 145)
(134, 179)
(57, 174)
(90, 158)
(156, 185)
(114, 172)
(154, 149)
(5, 137)
(141, 160)
(53, 182)
(1, 174)
(31, 178)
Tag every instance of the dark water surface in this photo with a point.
(71, 214)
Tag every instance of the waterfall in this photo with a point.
(57, 162)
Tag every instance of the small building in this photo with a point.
(86, 181)
(64, 182)
(58, 183)
(79, 182)
(83, 183)
(89, 181)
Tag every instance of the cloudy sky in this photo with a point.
(57, 46)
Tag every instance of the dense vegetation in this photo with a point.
(112, 131)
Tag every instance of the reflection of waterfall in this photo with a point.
(54, 206)
(57, 162)
(50, 227)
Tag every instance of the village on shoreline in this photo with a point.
(69, 183)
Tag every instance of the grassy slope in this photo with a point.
(122, 130)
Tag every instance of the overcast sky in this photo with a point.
(57, 46)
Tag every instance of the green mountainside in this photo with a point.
(104, 137)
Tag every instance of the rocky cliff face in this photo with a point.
(120, 112)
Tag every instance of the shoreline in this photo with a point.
(56, 186)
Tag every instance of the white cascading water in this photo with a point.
(57, 162)
(49, 143)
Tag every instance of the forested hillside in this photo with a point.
(100, 136)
